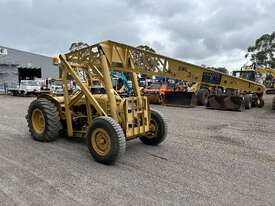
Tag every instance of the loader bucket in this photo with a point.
(180, 99)
(270, 91)
(223, 102)
(154, 98)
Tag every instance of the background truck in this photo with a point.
(262, 75)
(170, 92)
(26, 87)
(155, 91)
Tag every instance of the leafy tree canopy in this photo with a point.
(220, 69)
(78, 45)
(146, 48)
(140, 58)
(262, 53)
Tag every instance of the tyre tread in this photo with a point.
(120, 138)
(158, 140)
(51, 115)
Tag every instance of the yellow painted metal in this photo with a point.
(259, 70)
(88, 111)
(136, 87)
(120, 57)
(262, 72)
(101, 142)
(136, 118)
(153, 129)
(266, 70)
(68, 113)
(75, 98)
(205, 97)
(38, 121)
(108, 86)
(100, 76)
(172, 68)
(195, 87)
(83, 87)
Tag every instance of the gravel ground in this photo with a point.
(210, 158)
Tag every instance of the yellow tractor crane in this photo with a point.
(106, 119)
(262, 75)
(269, 78)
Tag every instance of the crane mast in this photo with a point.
(125, 58)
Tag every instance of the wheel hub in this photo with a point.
(101, 142)
(206, 98)
(153, 129)
(38, 121)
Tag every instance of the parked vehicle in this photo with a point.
(26, 87)
(155, 92)
(56, 86)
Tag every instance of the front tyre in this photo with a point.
(242, 106)
(259, 103)
(158, 129)
(202, 97)
(106, 140)
(248, 101)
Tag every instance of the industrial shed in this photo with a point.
(16, 65)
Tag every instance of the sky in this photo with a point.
(213, 32)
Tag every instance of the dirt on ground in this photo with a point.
(210, 157)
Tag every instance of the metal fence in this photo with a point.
(5, 85)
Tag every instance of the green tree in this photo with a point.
(152, 61)
(77, 45)
(146, 48)
(220, 69)
(140, 59)
(263, 51)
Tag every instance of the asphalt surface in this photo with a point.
(209, 158)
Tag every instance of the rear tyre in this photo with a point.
(43, 120)
(259, 102)
(160, 99)
(106, 140)
(248, 101)
(242, 106)
(218, 91)
(158, 129)
(273, 103)
(202, 97)
(13, 93)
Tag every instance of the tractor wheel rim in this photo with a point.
(101, 142)
(38, 121)
(205, 98)
(153, 129)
